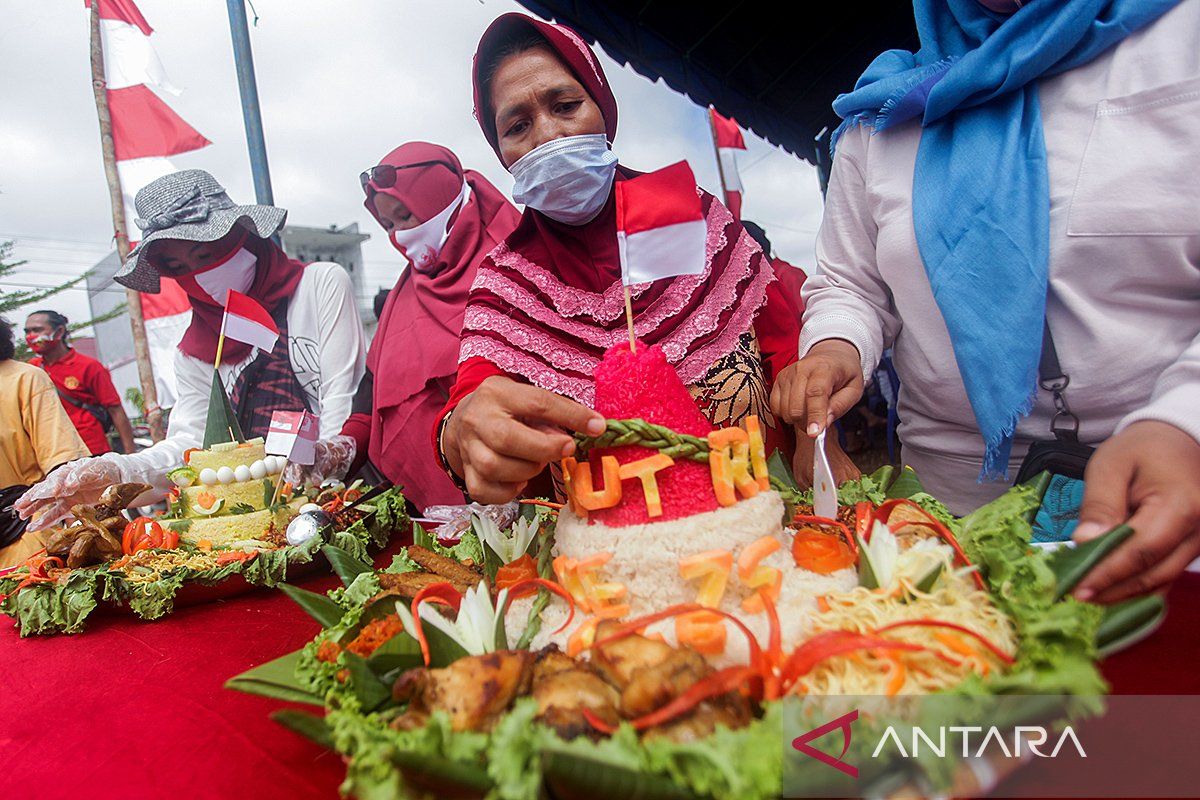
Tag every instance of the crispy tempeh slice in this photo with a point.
(448, 568)
(407, 584)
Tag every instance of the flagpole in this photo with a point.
(137, 323)
(629, 317)
(220, 341)
(712, 130)
(279, 483)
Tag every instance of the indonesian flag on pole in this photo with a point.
(660, 225)
(247, 321)
(729, 140)
(145, 132)
(145, 129)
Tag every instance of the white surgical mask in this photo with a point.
(566, 179)
(422, 245)
(212, 284)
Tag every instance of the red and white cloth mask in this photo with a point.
(422, 245)
(211, 284)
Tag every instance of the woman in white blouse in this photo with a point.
(192, 232)
(1031, 167)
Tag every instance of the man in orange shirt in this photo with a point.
(84, 384)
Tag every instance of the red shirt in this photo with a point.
(88, 381)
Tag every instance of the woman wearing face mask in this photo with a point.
(192, 232)
(443, 220)
(548, 302)
(1008, 211)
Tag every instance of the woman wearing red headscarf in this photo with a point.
(443, 220)
(548, 302)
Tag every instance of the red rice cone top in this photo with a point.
(643, 385)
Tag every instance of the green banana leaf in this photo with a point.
(1072, 564)
(904, 485)
(400, 652)
(570, 776)
(275, 679)
(317, 606)
(440, 777)
(1040, 483)
(368, 688)
(781, 472)
(345, 565)
(307, 725)
(1125, 624)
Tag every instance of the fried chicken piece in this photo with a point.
(448, 568)
(563, 687)
(118, 497)
(474, 691)
(652, 686)
(731, 710)
(617, 661)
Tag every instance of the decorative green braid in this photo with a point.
(620, 432)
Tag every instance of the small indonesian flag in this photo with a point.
(729, 140)
(247, 321)
(660, 225)
(293, 435)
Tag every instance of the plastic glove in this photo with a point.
(333, 459)
(82, 481)
(455, 520)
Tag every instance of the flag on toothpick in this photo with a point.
(661, 230)
(247, 321)
(293, 435)
(728, 138)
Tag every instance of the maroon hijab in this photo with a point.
(275, 278)
(417, 338)
(549, 301)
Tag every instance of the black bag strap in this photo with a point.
(98, 411)
(1051, 377)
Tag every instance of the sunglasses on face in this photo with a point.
(383, 176)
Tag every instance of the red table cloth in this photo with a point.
(130, 709)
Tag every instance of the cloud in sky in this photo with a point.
(340, 85)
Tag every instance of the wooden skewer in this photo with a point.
(629, 318)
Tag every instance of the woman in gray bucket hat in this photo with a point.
(193, 233)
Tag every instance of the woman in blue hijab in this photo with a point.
(1017, 183)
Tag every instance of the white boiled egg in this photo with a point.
(241, 473)
(258, 470)
(225, 475)
(208, 476)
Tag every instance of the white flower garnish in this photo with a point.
(479, 627)
(510, 545)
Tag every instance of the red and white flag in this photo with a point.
(728, 137)
(293, 435)
(145, 129)
(145, 132)
(660, 225)
(247, 321)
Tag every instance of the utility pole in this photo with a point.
(243, 60)
(141, 349)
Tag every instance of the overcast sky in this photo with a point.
(340, 84)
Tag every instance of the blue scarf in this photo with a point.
(981, 206)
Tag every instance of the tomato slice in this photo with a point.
(523, 569)
(821, 553)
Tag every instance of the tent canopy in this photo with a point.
(774, 77)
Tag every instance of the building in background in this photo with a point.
(114, 341)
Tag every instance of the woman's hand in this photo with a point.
(802, 463)
(331, 459)
(504, 433)
(81, 481)
(820, 387)
(1149, 476)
